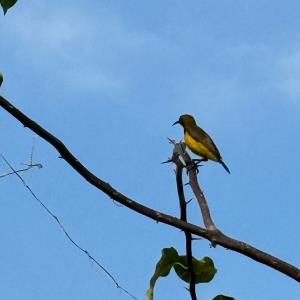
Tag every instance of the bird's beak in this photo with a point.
(177, 122)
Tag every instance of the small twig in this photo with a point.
(70, 238)
(39, 166)
(32, 150)
(29, 166)
(189, 201)
(167, 161)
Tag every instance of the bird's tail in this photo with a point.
(224, 166)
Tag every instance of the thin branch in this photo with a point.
(70, 238)
(32, 151)
(216, 237)
(193, 181)
(30, 166)
(207, 219)
(188, 235)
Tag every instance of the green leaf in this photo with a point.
(1, 78)
(163, 268)
(7, 4)
(204, 269)
(222, 297)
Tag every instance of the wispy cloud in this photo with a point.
(84, 51)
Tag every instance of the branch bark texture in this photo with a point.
(207, 219)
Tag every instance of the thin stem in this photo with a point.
(188, 235)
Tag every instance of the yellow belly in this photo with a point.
(199, 148)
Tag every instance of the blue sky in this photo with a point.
(109, 78)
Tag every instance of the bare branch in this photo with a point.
(183, 217)
(21, 170)
(29, 166)
(216, 237)
(179, 149)
(208, 222)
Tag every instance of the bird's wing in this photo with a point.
(202, 137)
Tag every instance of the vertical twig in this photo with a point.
(183, 216)
(188, 235)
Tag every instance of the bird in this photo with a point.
(198, 141)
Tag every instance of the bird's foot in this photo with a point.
(193, 166)
(199, 160)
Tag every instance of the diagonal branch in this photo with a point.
(216, 237)
(208, 222)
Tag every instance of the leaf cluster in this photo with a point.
(203, 269)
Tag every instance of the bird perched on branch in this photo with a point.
(198, 141)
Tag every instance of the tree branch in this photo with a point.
(208, 222)
(179, 149)
(216, 237)
(188, 235)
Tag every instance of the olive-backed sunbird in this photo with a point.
(199, 141)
